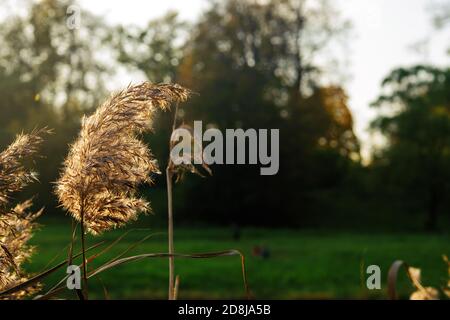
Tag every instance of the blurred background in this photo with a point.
(360, 91)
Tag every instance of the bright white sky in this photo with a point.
(384, 32)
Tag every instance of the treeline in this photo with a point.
(253, 65)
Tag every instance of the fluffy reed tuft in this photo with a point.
(108, 162)
(17, 224)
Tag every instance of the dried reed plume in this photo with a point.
(16, 223)
(108, 162)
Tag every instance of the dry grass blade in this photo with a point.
(60, 285)
(176, 287)
(446, 288)
(132, 246)
(105, 290)
(30, 282)
(392, 278)
(9, 259)
(414, 275)
(72, 242)
(421, 293)
(207, 255)
(110, 246)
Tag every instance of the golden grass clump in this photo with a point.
(17, 224)
(13, 174)
(108, 162)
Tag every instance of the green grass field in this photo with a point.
(301, 265)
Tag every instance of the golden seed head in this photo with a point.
(108, 162)
(16, 223)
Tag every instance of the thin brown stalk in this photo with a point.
(78, 292)
(177, 285)
(169, 178)
(176, 172)
(170, 233)
(83, 250)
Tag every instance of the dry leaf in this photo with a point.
(427, 293)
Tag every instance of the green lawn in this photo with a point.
(302, 264)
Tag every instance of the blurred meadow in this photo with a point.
(299, 265)
(342, 200)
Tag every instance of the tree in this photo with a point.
(254, 65)
(156, 50)
(442, 17)
(50, 62)
(50, 75)
(417, 128)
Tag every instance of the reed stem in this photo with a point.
(169, 176)
(170, 235)
(83, 249)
